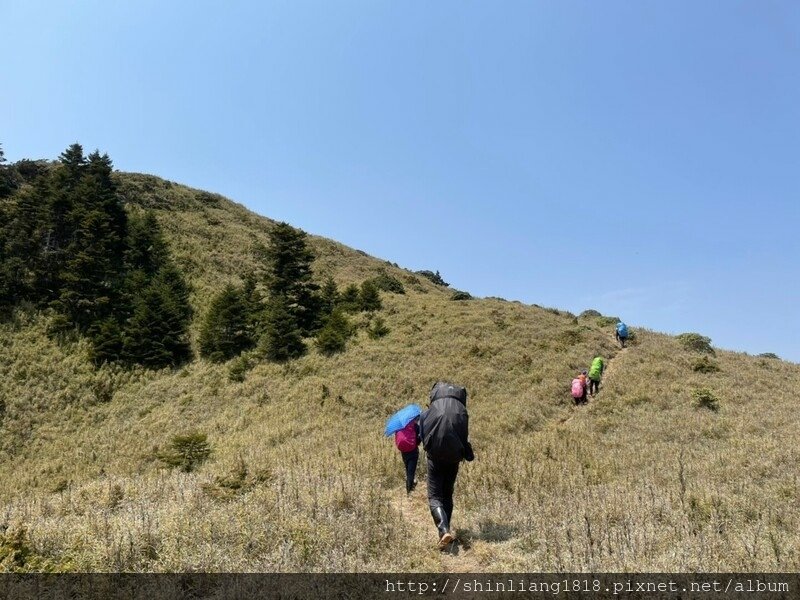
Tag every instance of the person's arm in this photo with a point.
(469, 455)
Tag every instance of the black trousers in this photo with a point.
(441, 483)
(410, 461)
(594, 386)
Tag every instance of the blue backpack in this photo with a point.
(622, 330)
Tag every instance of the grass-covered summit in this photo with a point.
(687, 459)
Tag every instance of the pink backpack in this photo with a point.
(406, 438)
(577, 388)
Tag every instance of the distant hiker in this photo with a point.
(444, 428)
(407, 441)
(595, 373)
(621, 333)
(579, 388)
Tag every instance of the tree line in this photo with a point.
(290, 309)
(69, 246)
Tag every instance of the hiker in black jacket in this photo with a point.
(444, 429)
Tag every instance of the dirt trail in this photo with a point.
(458, 558)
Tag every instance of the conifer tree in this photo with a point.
(329, 297)
(254, 308)
(333, 336)
(157, 333)
(8, 182)
(289, 276)
(350, 300)
(92, 269)
(283, 339)
(225, 332)
(369, 298)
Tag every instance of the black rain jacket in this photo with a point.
(444, 426)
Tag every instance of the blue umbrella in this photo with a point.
(401, 418)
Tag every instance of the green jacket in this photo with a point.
(597, 368)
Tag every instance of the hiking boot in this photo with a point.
(441, 521)
(446, 539)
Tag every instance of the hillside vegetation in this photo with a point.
(684, 461)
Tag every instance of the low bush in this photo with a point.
(705, 398)
(695, 342)
(459, 295)
(433, 277)
(387, 283)
(771, 355)
(378, 329)
(333, 336)
(187, 451)
(705, 365)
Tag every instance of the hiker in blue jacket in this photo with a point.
(621, 333)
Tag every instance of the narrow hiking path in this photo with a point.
(608, 375)
(458, 558)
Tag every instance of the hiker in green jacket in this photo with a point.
(595, 373)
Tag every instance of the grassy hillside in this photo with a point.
(646, 477)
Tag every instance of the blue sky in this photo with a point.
(642, 159)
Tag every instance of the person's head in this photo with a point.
(584, 372)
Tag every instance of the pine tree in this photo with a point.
(92, 269)
(146, 249)
(283, 339)
(157, 333)
(22, 269)
(329, 297)
(350, 300)
(254, 307)
(8, 181)
(107, 341)
(225, 332)
(369, 298)
(289, 276)
(333, 336)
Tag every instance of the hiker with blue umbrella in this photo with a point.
(404, 424)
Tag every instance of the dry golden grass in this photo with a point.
(300, 477)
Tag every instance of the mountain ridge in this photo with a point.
(646, 477)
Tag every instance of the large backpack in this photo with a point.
(577, 388)
(622, 330)
(596, 370)
(406, 438)
(445, 425)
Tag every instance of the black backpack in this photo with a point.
(445, 425)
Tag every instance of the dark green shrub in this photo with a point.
(387, 283)
(459, 296)
(225, 332)
(187, 451)
(378, 329)
(350, 299)
(705, 398)
(695, 342)
(705, 365)
(282, 339)
(333, 336)
(771, 355)
(237, 371)
(433, 277)
(590, 313)
(369, 298)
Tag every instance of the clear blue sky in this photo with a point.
(639, 158)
